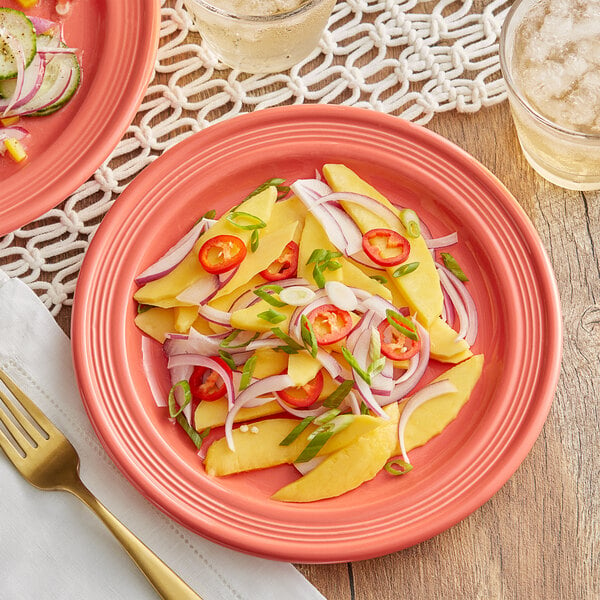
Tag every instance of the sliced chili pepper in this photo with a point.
(330, 323)
(305, 395)
(222, 253)
(206, 384)
(396, 345)
(285, 266)
(385, 247)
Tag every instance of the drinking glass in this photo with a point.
(550, 59)
(261, 36)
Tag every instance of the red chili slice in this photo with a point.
(396, 345)
(305, 395)
(385, 247)
(222, 253)
(330, 323)
(206, 384)
(285, 266)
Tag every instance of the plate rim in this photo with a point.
(554, 326)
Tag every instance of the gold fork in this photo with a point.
(46, 458)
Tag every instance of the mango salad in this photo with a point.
(299, 328)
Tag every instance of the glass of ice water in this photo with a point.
(550, 59)
(261, 36)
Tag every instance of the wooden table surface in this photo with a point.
(539, 536)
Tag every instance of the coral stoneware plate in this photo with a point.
(116, 42)
(510, 278)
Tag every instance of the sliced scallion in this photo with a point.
(263, 293)
(254, 240)
(379, 278)
(244, 220)
(247, 372)
(286, 338)
(314, 446)
(452, 265)
(402, 324)
(411, 222)
(397, 466)
(405, 269)
(228, 359)
(174, 407)
(337, 396)
(272, 316)
(355, 366)
(308, 336)
(294, 433)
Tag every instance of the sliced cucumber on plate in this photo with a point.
(15, 27)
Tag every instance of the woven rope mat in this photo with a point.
(411, 59)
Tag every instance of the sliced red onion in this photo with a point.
(405, 386)
(468, 302)
(173, 256)
(180, 373)
(268, 385)
(194, 343)
(457, 302)
(332, 366)
(198, 360)
(442, 242)
(32, 81)
(353, 403)
(201, 291)
(213, 315)
(17, 133)
(301, 413)
(367, 202)
(305, 467)
(361, 258)
(43, 26)
(151, 351)
(433, 390)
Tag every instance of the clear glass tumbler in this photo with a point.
(550, 59)
(261, 36)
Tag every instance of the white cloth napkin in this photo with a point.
(51, 545)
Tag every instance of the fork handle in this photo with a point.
(165, 581)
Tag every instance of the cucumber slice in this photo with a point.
(15, 24)
(60, 67)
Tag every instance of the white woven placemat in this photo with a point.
(412, 59)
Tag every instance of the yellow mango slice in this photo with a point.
(226, 301)
(184, 317)
(302, 367)
(270, 249)
(445, 346)
(432, 417)
(352, 276)
(247, 318)
(269, 362)
(162, 292)
(347, 468)
(156, 322)
(285, 212)
(421, 288)
(262, 449)
(313, 237)
(201, 325)
(213, 414)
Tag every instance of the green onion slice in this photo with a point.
(379, 278)
(364, 409)
(228, 359)
(318, 276)
(276, 182)
(272, 316)
(226, 343)
(254, 240)
(314, 446)
(244, 220)
(397, 466)
(247, 372)
(174, 408)
(327, 416)
(354, 364)
(411, 222)
(196, 437)
(405, 269)
(337, 396)
(282, 335)
(294, 433)
(308, 336)
(452, 265)
(263, 293)
(403, 324)
(142, 308)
